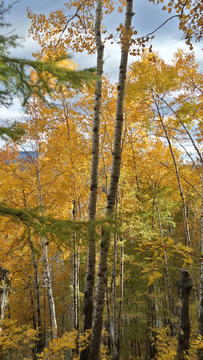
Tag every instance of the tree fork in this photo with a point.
(115, 173)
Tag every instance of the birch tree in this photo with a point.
(90, 273)
(115, 173)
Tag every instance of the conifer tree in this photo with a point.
(15, 78)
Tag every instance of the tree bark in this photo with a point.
(107, 323)
(120, 293)
(47, 272)
(90, 273)
(5, 286)
(115, 347)
(170, 303)
(40, 344)
(115, 173)
(184, 287)
(75, 306)
(185, 219)
(200, 306)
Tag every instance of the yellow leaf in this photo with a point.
(157, 274)
(155, 253)
(170, 240)
(189, 260)
(151, 280)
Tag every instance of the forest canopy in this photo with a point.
(101, 201)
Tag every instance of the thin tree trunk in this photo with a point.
(75, 282)
(49, 291)
(78, 300)
(5, 285)
(115, 352)
(186, 225)
(90, 273)
(44, 317)
(40, 344)
(184, 287)
(108, 316)
(200, 307)
(187, 232)
(138, 345)
(35, 349)
(166, 269)
(33, 311)
(45, 243)
(120, 292)
(115, 173)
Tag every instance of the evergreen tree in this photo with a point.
(15, 77)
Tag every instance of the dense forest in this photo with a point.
(101, 202)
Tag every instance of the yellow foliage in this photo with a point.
(166, 345)
(16, 337)
(67, 342)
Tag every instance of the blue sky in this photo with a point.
(147, 18)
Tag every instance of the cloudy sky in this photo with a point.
(146, 19)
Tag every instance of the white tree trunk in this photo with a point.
(5, 286)
(115, 173)
(89, 287)
(90, 273)
(48, 281)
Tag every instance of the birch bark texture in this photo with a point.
(5, 286)
(90, 273)
(47, 271)
(115, 173)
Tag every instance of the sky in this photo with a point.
(146, 19)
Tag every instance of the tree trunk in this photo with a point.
(48, 283)
(166, 269)
(120, 293)
(184, 287)
(185, 219)
(47, 272)
(200, 307)
(115, 349)
(5, 286)
(115, 173)
(90, 273)
(108, 316)
(34, 349)
(78, 288)
(75, 282)
(40, 344)
(187, 232)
